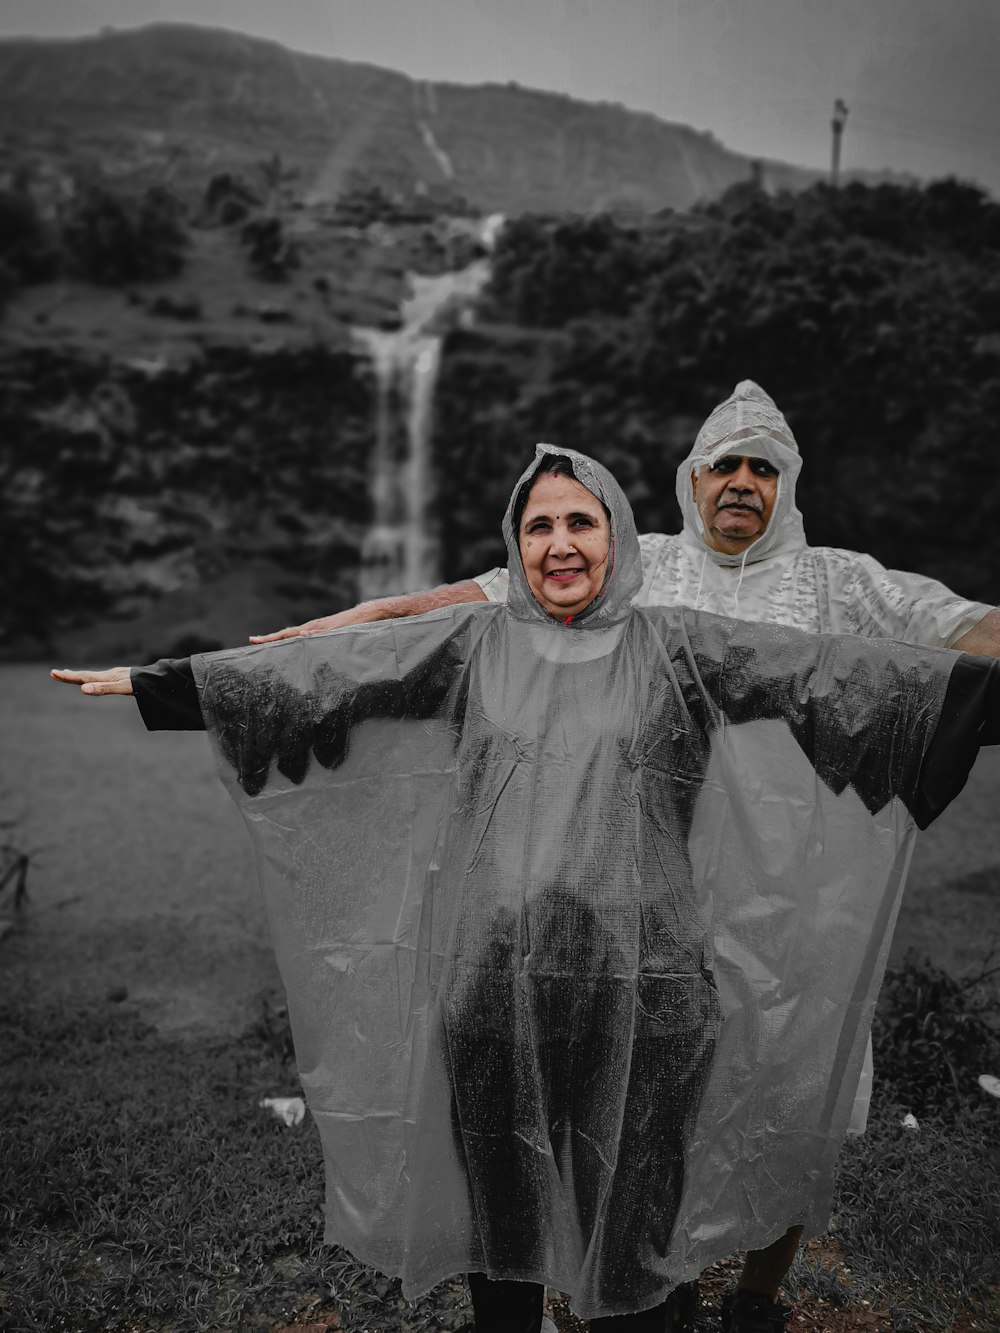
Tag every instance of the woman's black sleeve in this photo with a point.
(868, 713)
(167, 695)
(970, 718)
(263, 721)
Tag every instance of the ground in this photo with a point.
(142, 888)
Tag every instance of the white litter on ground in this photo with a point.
(290, 1110)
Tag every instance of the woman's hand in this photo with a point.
(116, 680)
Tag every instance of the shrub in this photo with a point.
(271, 254)
(26, 249)
(176, 307)
(228, 200)
(112, 239)
(932, 1038)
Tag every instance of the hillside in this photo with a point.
(178, 104)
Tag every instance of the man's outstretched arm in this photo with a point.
(983, 639)
(384, 608)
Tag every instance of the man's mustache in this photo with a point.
(753, 502)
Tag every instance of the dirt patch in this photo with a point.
(812, 1313)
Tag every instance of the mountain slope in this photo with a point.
(181, 103)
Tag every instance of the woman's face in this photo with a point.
(564, 540)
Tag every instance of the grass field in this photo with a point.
(144, 1189)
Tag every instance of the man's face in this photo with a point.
(735, 499)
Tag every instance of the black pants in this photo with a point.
(516, 1307)
(525, 1070)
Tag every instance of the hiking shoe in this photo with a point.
(753, 1312)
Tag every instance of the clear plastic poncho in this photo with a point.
(780, 577)
(570, 1004)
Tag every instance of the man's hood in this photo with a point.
(747, 408)
(624, 575)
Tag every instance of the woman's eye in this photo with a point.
(583, 523)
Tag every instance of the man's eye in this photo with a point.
(724, 465)
(764, 469)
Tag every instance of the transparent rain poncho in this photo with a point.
(781, 578)
(571, 1003)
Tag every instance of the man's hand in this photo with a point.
(357, 615)
(383, 608)
(116, 680)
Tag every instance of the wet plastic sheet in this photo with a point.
(571, 1000)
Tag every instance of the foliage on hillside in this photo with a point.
(104, 234)
(871, 316)
(114, 239)
(121, 481)
(99, 234)
(166, 431)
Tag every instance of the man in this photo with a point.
(742, 553)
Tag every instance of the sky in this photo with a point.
(919, 76)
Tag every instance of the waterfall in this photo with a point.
(382, 547)
(400, 550)
(421, 566)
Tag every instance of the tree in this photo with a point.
(272, 254)
(112, 239)
(228, 199)
(869, 313)
(27, 253)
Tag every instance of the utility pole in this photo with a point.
(837, 125)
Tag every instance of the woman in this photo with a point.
(510, 989)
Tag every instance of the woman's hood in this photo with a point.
(624, 576)
(751, 415)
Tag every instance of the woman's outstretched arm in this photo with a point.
(115, 680)
(165, 691)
